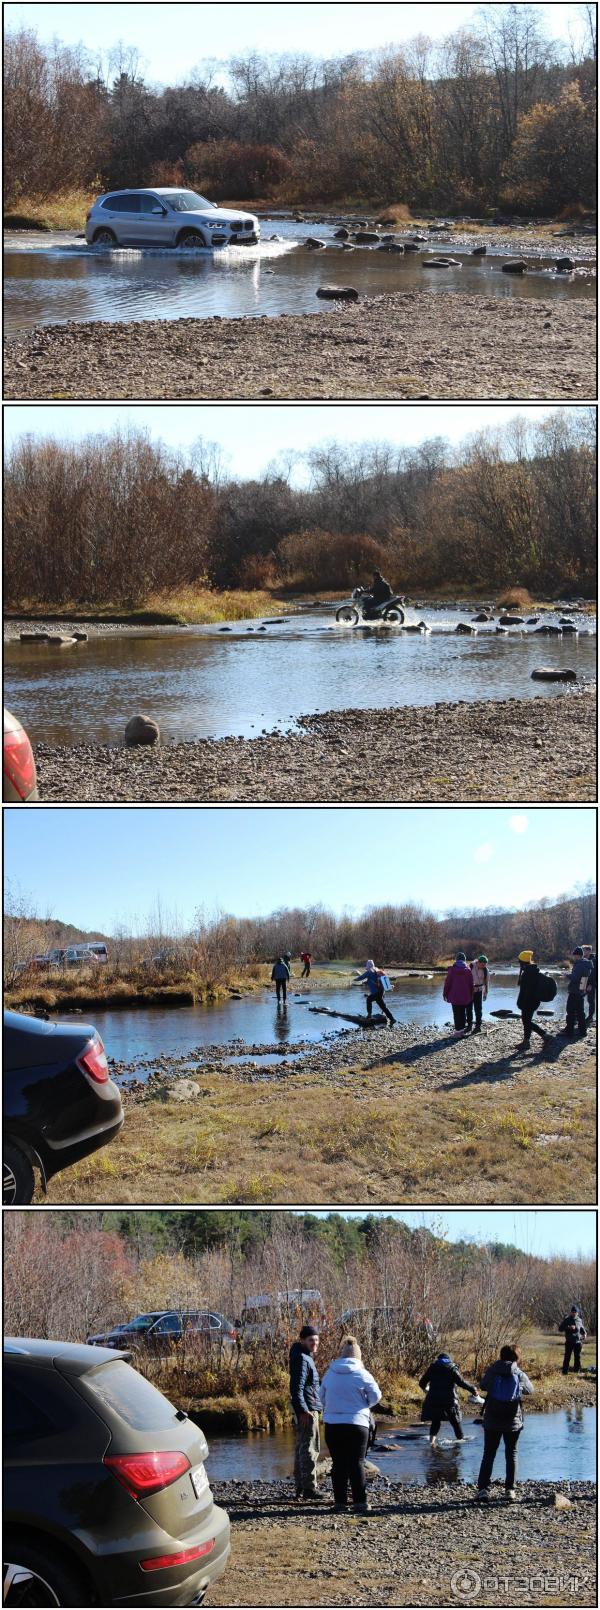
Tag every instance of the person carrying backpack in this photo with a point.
(576, 991)
(574, 1332)
(439, 1383)
(505, 1383)
(280, 978)
(458, 991)
(376, 983)
(530, 997)
(481, 978)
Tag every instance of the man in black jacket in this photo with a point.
(591, 983)
(529, 997)
(306, 1403)
(574, 1332)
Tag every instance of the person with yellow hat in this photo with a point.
(529, 998)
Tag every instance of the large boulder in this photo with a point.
(34, 637)
(411, 246)
(511, 620)
(365, 237)
(479, 251)
(515, 265)
(338, 293)
(441, 262)
(341, 234)
(391, 246)
(142, 730)
(465, 630)
(564, 265)
(482, 617)
(313, 245)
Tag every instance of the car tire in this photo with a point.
(53, 1580)
(104, 237)
(18, 1178)
(191, 239)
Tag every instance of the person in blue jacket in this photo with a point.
(375, 981)
(305, 1393)
(505, 1383)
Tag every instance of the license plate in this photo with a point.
(199, 1479)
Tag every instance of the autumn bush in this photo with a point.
(327, 559)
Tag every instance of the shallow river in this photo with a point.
(560, 1446)
(50, 278)
(255, 1019)
(202, 682)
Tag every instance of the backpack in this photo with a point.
(547, 987)
(505, 1392)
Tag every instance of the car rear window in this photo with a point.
(130, 1396)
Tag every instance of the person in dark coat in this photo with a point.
(591, 983)
(574, 1332)
(505, 1383)
(381, 591)
(305, 1393)
(576, 991)
(439, 1383)
(280, 977)
(529, 998)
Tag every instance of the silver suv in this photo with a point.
(166, 217)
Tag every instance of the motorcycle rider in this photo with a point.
(380, 592)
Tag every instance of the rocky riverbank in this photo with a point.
(432, 1058)
(492, 751)
(407, 345)
(418, 1546)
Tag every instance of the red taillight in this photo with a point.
(19, 764)
(145, 1473)
(162, 1561)
(93, 1061)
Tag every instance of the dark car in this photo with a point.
(19, 777)
(162, 1328)
(106, 1498)
(59, 1102)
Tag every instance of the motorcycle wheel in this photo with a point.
(348, 615)
(395, 615)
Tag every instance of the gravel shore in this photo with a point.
(418, 1546)
(407, 345)
(540, 749)
(433, 1057)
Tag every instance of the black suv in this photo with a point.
(59, 1102)
(106, 1498)
(159, 1330)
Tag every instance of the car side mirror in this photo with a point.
(162, 211)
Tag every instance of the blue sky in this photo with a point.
(252, 437)
(99, 867)
(173, 39)
(539, 1233)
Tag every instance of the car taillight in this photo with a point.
(145, 1473)
(93, 1061)
(160, 1562)
(19, 764)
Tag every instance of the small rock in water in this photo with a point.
(338, 293)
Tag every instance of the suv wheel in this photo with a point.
(33, 1579)
(191, 238)
(18, 1178)
(104, 237)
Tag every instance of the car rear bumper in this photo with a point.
(56, 1158)
(187, 1586)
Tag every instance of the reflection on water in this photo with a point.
(202, 683)
(256, 1020)
(548, 1451)
(50, 279)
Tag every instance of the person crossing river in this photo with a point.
(376, 982)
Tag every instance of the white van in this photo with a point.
(97, 951)
(280, 1314)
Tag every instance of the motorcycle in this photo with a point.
(362, 607)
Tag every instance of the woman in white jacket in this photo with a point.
(348, 1393)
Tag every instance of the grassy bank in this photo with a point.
(366, 1135)
(188, 606)
(101, 989)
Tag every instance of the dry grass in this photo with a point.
(365, 1137)
(187, 606)
(66, 211)
(515, 598)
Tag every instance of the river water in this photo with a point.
(211, 682)
(560, 1446)
(50, 278)
(255, 1020)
